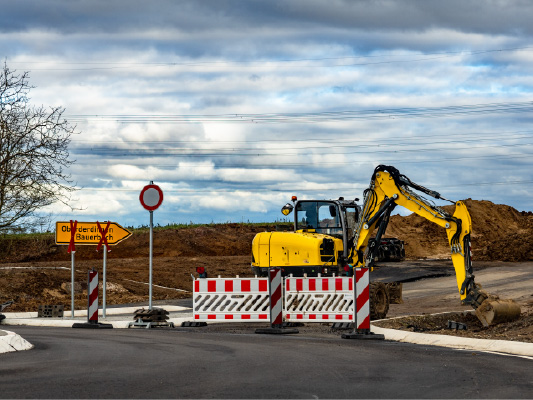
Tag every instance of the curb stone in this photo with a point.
(501, 346)
(10, 341)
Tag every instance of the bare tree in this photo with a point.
(34, 155)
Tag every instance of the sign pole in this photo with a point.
(104, 281)
(72, 249)
(151, 255)
(72, 284)
(151, 198)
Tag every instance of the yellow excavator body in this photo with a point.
(294, 251)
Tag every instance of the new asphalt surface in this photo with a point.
(194, 363)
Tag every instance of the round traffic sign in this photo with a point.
(151, 197)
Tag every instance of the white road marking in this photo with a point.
(162, 287)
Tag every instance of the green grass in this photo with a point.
(35, 235)
(146, 228)
(191, 225)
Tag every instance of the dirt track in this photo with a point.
(439, 295)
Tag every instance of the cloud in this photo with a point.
(151, 87)
(486, 17)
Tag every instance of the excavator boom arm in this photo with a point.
(389, 188)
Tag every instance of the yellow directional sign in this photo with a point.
(88, 233)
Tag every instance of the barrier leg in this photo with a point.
(275, 293)
(362, 307)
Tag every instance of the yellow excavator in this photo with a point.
(332, 236)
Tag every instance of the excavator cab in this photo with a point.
(336, 218)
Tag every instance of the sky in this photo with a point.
(232, 107)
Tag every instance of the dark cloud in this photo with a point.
(259, 30)
(479, 16)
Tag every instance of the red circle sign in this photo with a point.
(151, 197)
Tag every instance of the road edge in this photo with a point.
(500, 346)
(10, 341)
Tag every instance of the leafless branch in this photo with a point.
(34, 155)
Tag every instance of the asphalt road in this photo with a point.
(179, 363)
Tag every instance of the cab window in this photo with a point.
(321, 216)
(307, 215)
(351, 220)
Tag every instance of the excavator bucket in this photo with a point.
(494, 310)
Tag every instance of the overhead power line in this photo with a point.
(292, 189)
(117, 152)
(312, 117)
(347, 61)
(318, 143)
(354, 138)
(280, 150)
(321, 164)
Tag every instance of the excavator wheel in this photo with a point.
(379, 300)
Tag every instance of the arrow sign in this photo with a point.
(88, 233)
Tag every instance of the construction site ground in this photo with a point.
(35, 271)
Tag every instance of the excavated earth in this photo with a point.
(34, 270)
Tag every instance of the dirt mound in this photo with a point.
(230, 239)
(520, 330)
(499, 233)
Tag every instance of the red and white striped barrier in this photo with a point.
(319, 299)
(276, 299)
(308, 299)
(92, 315)
(235, 299)
(362, 301)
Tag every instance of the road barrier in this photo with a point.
(276, 298)
(238, 299)
(307, 299)
(362, 303)
(275, 289)
(92, 304)
(319, 299)
(92, 307)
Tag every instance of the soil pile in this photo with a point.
(520, 330)
(208, 240)
(499, 233)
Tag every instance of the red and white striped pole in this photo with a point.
(362, 307)
(362, 300)
(276, 303)
(275, 293)
(92, 293)
(92, 305)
